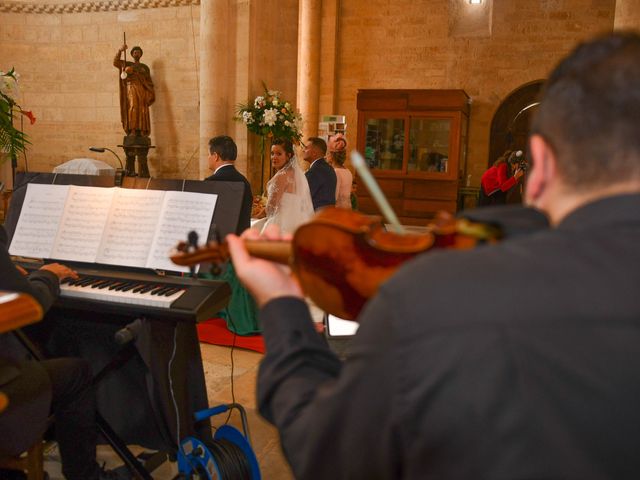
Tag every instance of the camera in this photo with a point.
(517, 158)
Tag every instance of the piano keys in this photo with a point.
(132, 293)
(135, 292)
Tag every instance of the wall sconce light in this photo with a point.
(475, 2)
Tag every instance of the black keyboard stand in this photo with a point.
(121, 449)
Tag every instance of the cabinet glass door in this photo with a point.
(429, 140)
(384, 143)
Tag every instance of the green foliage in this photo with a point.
(12, 140)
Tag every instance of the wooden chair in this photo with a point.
(17, 310)
(31, 462)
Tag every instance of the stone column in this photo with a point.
(214, 21)
(309, 42)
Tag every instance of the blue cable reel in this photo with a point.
(196, 460)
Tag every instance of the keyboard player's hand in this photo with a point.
(60, 271)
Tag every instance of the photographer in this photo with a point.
(499, 179)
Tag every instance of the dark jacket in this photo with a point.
(26, 418)
(229, 173)
(513, 360)
(322, 184)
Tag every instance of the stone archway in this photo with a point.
(510, 123)
(510, 127)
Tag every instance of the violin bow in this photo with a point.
(376, 192)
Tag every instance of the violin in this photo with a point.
(341, 257)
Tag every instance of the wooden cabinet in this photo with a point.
(415, 143)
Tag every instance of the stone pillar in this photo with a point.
(214, 21)
(308, 85)
(627, 14)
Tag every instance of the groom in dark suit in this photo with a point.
(321, 176)
(222, 158)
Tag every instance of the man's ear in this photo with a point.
(543, 171)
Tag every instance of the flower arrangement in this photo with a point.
(271, 116)
(12, 140)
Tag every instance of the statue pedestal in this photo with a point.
(136, 146)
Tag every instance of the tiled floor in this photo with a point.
(217, 366)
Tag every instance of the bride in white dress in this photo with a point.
(288, 198)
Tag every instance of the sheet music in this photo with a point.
(182, 212)
(39, 220)
(82, 223)
(117, 226)
(131, 227)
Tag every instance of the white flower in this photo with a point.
(259, 101)
(275, 102)
(270, 116)
(287, 105)
(9, 86)
(247, 117)
(287, 123)
(273, 93)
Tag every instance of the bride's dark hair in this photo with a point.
(287, 145)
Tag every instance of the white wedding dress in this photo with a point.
(288, 199)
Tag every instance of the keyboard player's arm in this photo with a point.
(42, 284)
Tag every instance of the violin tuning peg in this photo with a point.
(216, 233)
(192, 239)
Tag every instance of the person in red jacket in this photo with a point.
(498, 180)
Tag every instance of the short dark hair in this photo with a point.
(224, 146)
(319, 143)
(286, 144)
(590, 112)
(136, 48)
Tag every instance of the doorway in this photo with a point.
(510, 126)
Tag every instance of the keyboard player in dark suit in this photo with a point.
(222, 158)
(37, 389)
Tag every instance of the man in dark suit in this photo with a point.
(222, 158)
(321, 176)
(512, 360)
(37, 389)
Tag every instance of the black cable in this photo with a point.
(230, 459)
(233, 346)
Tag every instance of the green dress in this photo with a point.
(241, 314)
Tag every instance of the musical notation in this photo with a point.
(39, 220)
(115, 226)
(182, 212)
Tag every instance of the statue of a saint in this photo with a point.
(136, 95)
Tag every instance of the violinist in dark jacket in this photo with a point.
(517, 359)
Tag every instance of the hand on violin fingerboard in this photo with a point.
(265, 280)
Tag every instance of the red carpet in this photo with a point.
(215, 331)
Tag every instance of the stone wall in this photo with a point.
(69, 82)
(422, 44)
(627, 14)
